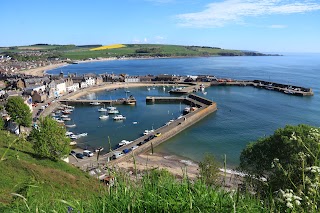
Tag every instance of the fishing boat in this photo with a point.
(102, 109)
(119, 118)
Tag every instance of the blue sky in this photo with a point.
(262, 25)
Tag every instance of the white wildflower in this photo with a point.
(297, 202)
(289, 205)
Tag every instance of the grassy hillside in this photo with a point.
(30, 184)
(128, 50)
(25, 174)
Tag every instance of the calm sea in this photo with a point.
(244, 113)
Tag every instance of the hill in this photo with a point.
(82, 52)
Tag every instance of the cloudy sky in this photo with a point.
(262, 25)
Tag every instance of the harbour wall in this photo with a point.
(190, 119)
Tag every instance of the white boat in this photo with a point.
(71, 125)
(111, 108)
(119, 117)
(73, 143)
(127, 91)
(103, 117)
(64, 116)
(98, 149)
(59, 121)
(83, 134)
(134, 122)
(102, 109)
(66, 119)
(148, 88)
(124, 142)
(113, 111)
(69, 133)
(204, 93)
(95, 103)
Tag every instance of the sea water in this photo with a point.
(244, 113)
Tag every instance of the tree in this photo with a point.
(49, 139)
(282, 159)
(19, 111)
(209, 170)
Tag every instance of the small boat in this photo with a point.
(102, 109)
(127, 91)
(148, 88)
(95, 103)
(66, 119)
(186, 110)
(71, 125)
(204, 93)
(98, 149)
(73, 143)
(59, 121)
(130, 102)
(83, 134)
(134, 122)
(111, 108)
(113, 111)
(64, 116)
(124, 142)
(103, 117)
(69, 107)
(119, 118)
(66, 112)
(69, 133)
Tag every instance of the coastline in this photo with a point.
(41, 71)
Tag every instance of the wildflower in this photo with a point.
(289, 205)
(297, 202)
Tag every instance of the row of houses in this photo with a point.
(42, 88)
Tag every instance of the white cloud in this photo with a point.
(278, 26)
(219, 14)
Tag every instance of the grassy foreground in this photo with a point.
(30, 184)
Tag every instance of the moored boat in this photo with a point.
(119, 117)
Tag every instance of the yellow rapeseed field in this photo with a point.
(113, 46)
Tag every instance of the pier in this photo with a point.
(284, 88)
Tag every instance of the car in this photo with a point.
(134, 147)
(87, 153)
(125, 151)
(72, 152)
(141, 143)
(158, 134)
(79, 155)
(117, 154)
(151, 137)
(146, 140)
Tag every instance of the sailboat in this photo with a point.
(103, 109)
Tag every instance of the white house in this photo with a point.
(60, 87)
(131, 79)
(83, 84)
(90, 81)
(74, 87)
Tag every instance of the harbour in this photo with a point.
(243, 115)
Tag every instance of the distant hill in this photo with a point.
(82, 52)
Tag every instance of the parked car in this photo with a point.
(134, 147)
(87, 153)
(116, 155)
(72, 152)
(125, 151)
(151, 137)
(158, 134)
(79, 155)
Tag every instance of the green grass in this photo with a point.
(30, 184)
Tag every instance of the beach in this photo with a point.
(40, 71)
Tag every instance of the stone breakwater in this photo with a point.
(190, 119)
